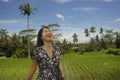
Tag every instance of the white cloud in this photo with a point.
(63, 1)
(108, 0)
(12, 22)
(66, 1)
(7, 1)
(85, 9)
(8, 21)
(103, 0)
(60, 16)
(65, 28)
(117, 20)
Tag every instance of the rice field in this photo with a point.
(89, 66)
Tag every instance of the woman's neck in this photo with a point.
(47, 45)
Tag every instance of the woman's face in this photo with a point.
(46, 35)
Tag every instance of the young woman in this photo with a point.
(47, 57)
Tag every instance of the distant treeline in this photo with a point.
(15, 45)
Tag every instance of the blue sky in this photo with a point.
(72, 15)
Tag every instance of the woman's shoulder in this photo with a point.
(37, 48)
(35, 54)
(56, 47)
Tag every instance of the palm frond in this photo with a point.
(26, 9)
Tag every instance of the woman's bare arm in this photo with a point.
(61, 75)
(31, 70)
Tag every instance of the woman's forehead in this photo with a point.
(45, 29)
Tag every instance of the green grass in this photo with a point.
(89, 66)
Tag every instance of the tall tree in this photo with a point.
(92, 30)
(109, 37)
(86, 33)
(103, 44)
(3, 40)
(65, 41)
(117, 41)
(75, 39)
(97, 38)
(32, 34)
(27, 10)
(101, 30)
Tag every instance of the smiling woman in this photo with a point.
(47, 57)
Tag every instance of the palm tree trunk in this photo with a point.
(28, 39)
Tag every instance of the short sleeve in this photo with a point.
(35, 55)
(58, 49)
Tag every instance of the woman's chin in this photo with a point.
(50, 40)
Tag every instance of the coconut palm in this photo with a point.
(86, 33)
(117, 41)
(26, 9)
(75, 39)
(92, 29)
(101, 30)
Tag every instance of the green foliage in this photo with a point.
(2, 54)
(113, 51)
(105, 39)
(77, 50)
(65, 48)
(19, 53)
(14, 69)
(90, 48)
(117, 41)
(14, 56)
(75, 38)
(26, 9)
(14, 44)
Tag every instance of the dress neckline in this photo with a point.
(47, 53)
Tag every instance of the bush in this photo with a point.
(113, 51)
(65, 49)
(19, 53)
(13, 56)
(75, 49)
(2, 54)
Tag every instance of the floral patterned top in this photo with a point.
(48, 67)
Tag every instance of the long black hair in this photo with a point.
(39, 36)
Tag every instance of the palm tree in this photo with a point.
(75, 39)
(92, 29)
(27, 10)
(86, 33)
(24, 35)
(117, 41)
(101, 30)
